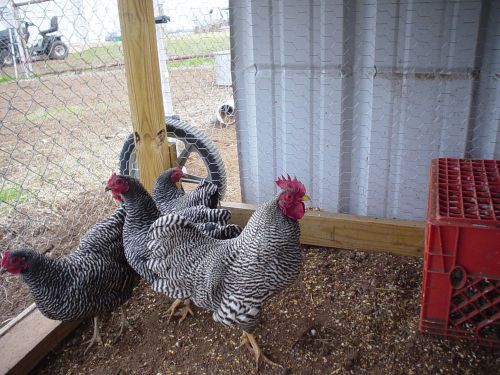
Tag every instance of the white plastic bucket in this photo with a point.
(223, 68)
(225, 113)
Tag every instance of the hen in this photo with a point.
(141, 214)
(232, 278)
(199, 205)
(95, 278)
(169, 199)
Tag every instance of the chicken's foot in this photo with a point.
(123, 323)
(180, 308)
(95, 337)
(248, 340)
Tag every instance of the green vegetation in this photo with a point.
(14, 194)
(57, 112)
(197, 43)
(189, 63)
(176, 44)
(6, 78)
(102, 54)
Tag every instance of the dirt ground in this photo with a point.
(348, 313)
(60, 137)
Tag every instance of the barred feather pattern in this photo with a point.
(170, 200)
(142, 213)
(212, 221)
(232, 278)
(221, 232)
(95, 278)
(203, 214)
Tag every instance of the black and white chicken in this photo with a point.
(93, 279)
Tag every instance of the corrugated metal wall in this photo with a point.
(356, 97)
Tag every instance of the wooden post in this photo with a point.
(144, 88)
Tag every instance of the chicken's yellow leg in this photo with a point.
(177, 310)
(249, 340)
(185, 310)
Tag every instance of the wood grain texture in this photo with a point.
(343, 231)
(144, 88)
(29, 340)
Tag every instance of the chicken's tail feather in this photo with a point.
(166, 224)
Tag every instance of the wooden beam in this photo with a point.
(343, 231)
(28, 339)
(142, 68)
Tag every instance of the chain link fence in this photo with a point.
(65, 117)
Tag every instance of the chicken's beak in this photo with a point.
(305, 198)
(2, 271)
(107, 188)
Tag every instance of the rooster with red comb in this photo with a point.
(232, 278)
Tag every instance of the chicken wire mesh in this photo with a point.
(65, 117)
(353, 97)
(356, 97)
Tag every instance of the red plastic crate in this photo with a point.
(461, 288)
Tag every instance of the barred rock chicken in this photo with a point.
(169, 199)
(199, 205)
(95, 278)
(232, 278)
(141, 214)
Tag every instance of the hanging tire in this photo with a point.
(58, 50)
(194, 140)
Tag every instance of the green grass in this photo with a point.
(6, 78)
(14, 194)
(57, 112)
(197, 43)
(102, 54)
(195, 61)
(176, 45)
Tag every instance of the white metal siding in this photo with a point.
(356, 97)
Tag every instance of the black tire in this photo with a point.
(198, 142)
(58, 50)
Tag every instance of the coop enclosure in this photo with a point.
(356, 97)
(65, 122)
(353, 97)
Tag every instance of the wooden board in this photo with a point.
(28, 340)
(343, 231)
(140, 54)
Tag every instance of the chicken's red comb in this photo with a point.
(113, 176)
(4, 258)
(291, 184)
